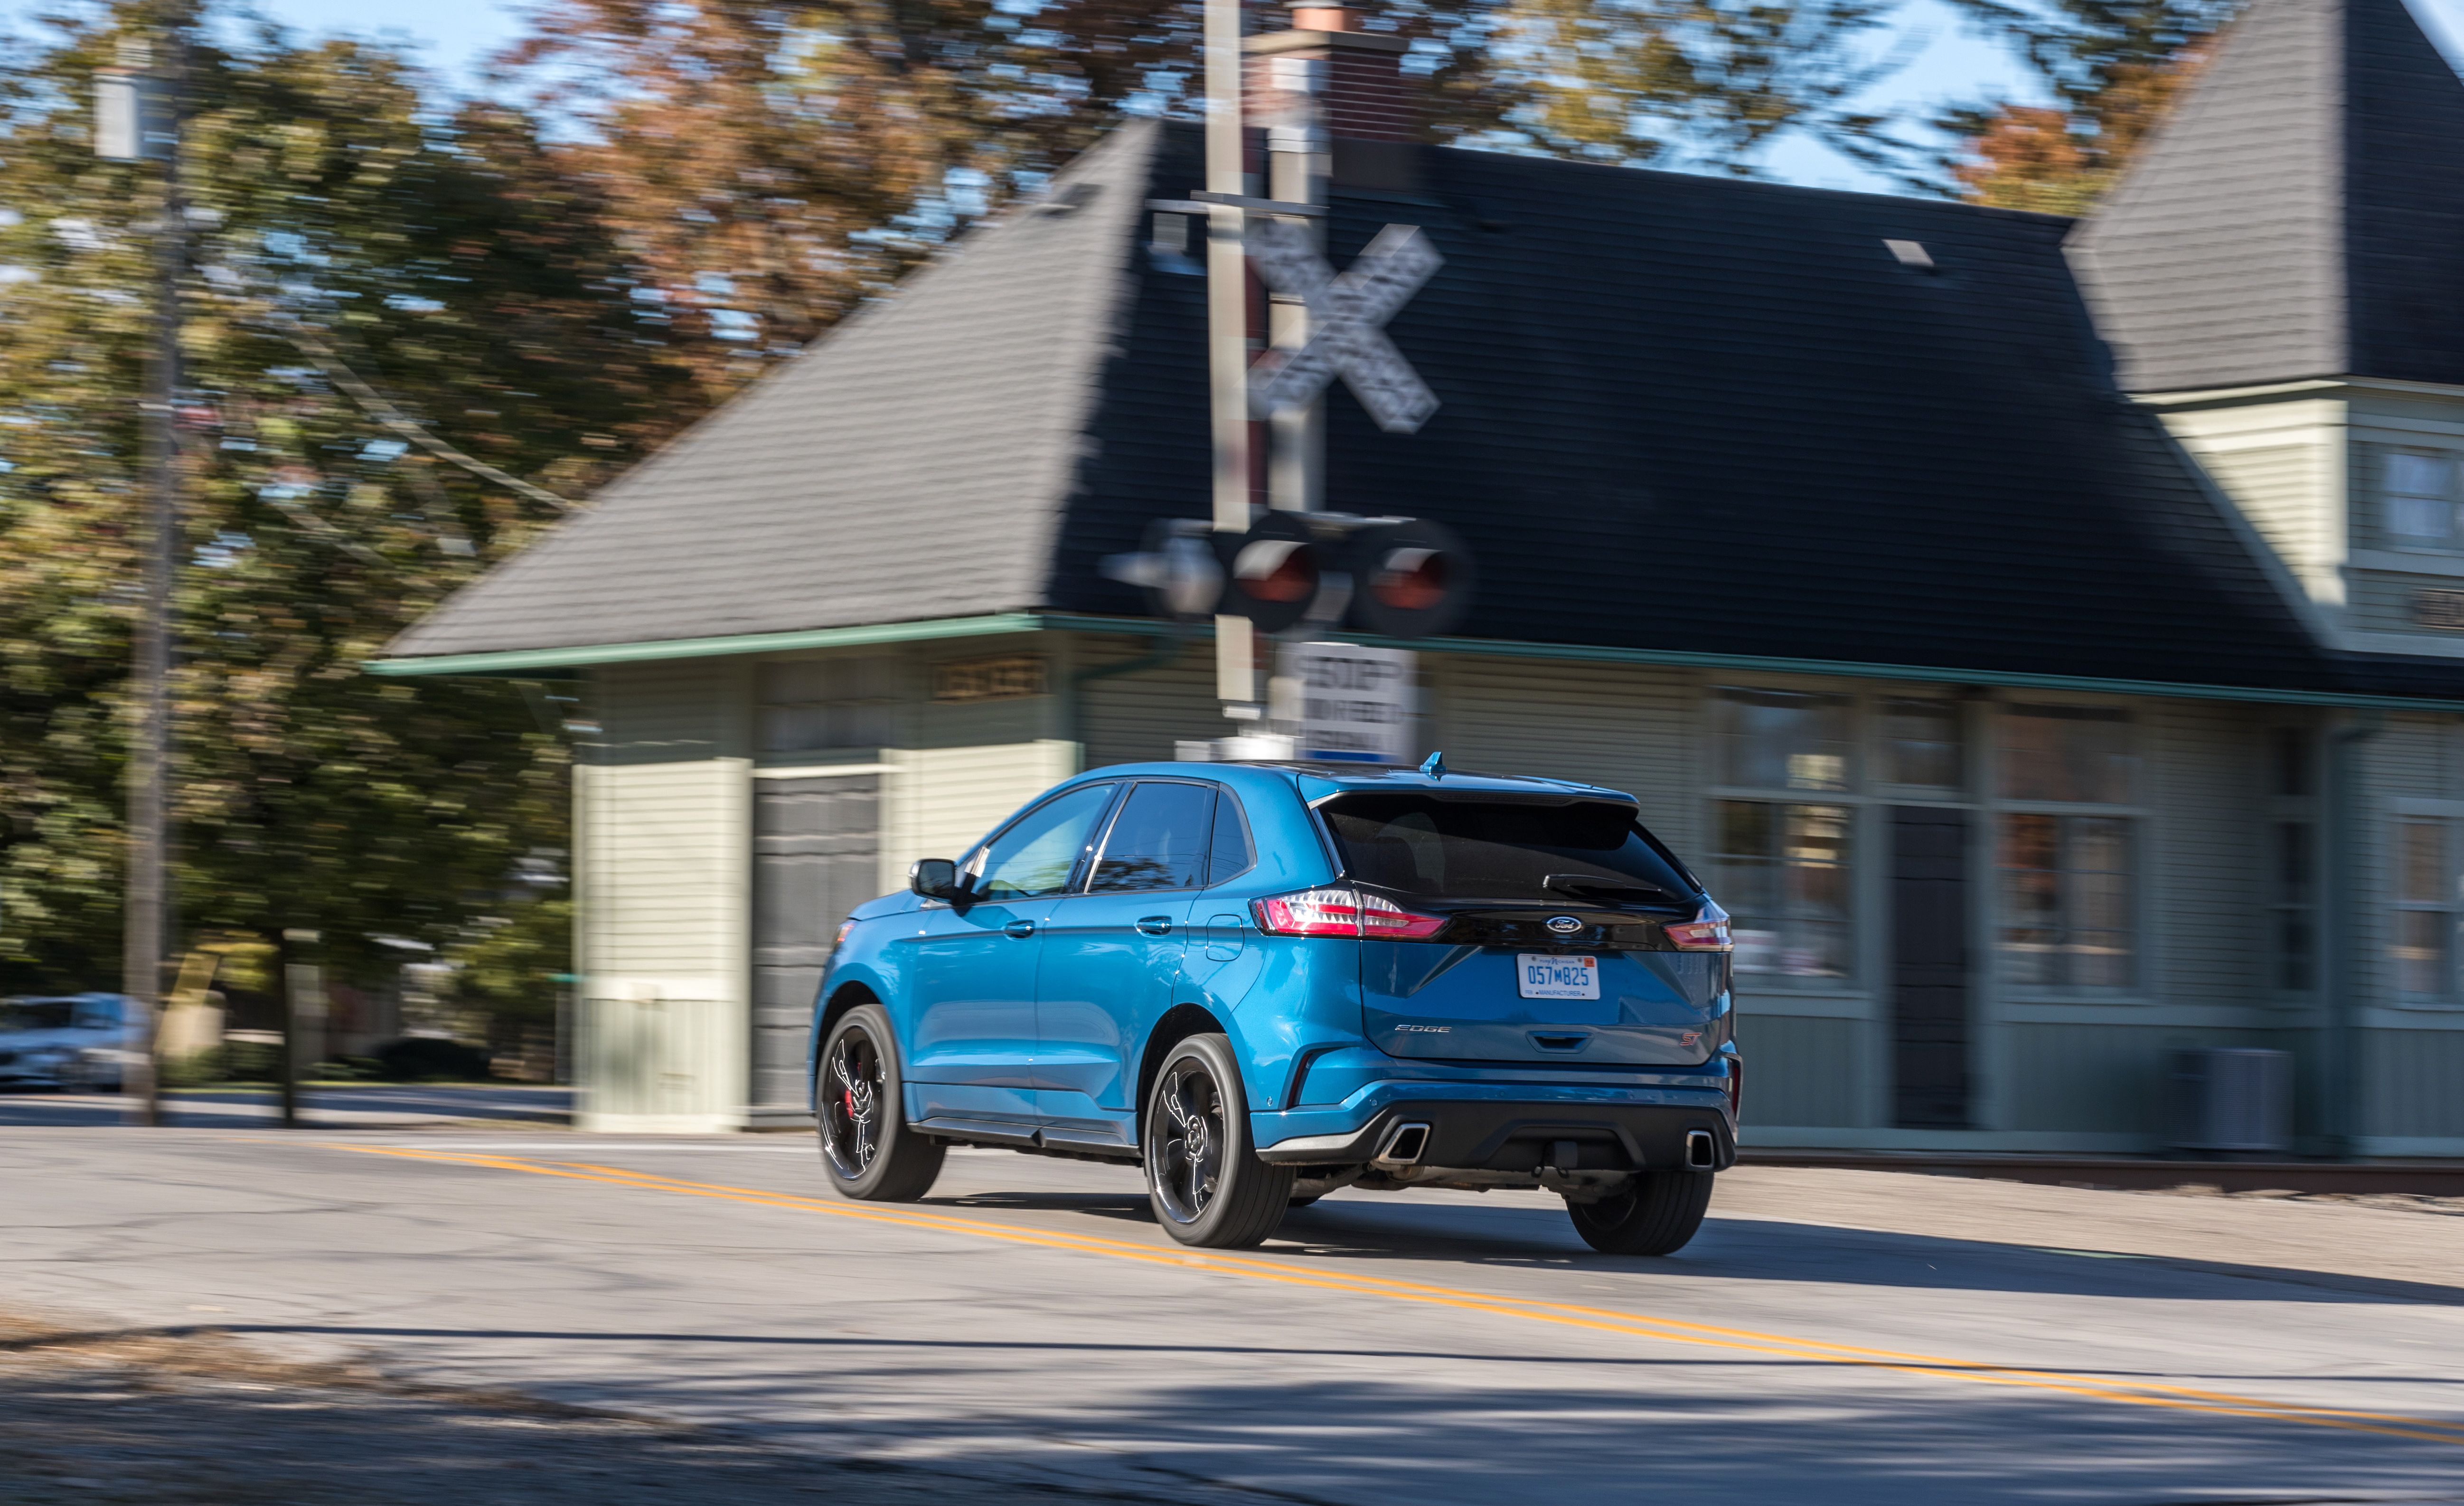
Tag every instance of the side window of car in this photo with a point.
(1035, 856)
(1159, 841)
(1230, 853)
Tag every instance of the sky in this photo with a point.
(1949, 62)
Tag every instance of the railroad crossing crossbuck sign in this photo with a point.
(1345, 314)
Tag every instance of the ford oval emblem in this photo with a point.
(1564, 924)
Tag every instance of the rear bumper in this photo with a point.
(1504, 1126)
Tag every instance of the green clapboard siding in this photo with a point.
(2413, 1083)
(1801, 1072)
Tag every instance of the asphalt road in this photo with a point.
(1833, 1338)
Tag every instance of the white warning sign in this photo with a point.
(1356, 702)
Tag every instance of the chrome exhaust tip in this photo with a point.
(1405, 1145)
(1702, 1151)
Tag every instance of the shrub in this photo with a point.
(424, 1058)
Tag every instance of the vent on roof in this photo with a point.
(1911, 254)
(1069, 198)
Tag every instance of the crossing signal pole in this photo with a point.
(1297, 567)
(1227, 336)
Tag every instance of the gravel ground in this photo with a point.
(204, 1420)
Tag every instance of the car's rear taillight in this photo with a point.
(1338, 910)
(1706, 932)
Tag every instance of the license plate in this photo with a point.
(1542, 976)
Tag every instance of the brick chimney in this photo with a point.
(1356, 77)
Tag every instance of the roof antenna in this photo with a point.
(1435, 765)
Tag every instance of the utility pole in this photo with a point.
(137, 120)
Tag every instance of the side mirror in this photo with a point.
(934, 877)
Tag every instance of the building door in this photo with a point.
(816, 856)
(1930, 972)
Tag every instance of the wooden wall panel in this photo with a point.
(1801, 1072)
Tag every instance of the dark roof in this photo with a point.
(1680, 414)
(2300, 215)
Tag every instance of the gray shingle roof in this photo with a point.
(908, 465)
(1682, 414)
(2300, 215)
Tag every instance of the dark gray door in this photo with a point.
(1929, 982)
(816, 856)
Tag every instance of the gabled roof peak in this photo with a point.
(2300, 215)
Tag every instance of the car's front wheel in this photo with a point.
(1655, 1216)
(1207, 1186)
(860, 1104)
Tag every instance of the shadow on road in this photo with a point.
(1370, 1230)
(1230, 1430)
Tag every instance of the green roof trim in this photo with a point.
(1937, 674)
(513, 662)
(517, 662)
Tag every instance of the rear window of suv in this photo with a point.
(1456, 849)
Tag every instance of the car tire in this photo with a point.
(1655, 1216)
(859, 1108)
(1204, 1181)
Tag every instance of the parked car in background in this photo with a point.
(64, 1041)
(1263, 983)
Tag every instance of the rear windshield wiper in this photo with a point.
(1610, 888)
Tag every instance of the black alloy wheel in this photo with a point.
(1207, 1186)
(867, 1147)
(1655, 1216)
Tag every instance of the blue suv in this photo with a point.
(1265, 981)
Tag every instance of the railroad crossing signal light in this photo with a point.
(1272, 573)
(1177, 569)
(1397, 577)
(1410, 578)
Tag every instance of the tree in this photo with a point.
(339, 230)
(766, 164)
(2114, 70)
(1694, 82)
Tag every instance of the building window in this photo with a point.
(1782, 740)
(2420, 492)
(812, 704)
(2068, 753)
(2290, 768)
(1921, 743)
(2426, 889)
(2293, 858)
(2066, 900)
(1782, 863)
(2068, 877)
(2293, 861)
(1782, 874)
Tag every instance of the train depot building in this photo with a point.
(2046, 638)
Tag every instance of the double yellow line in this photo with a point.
(1534, 1310)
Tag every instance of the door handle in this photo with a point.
(1022, 929)
(1155, 924)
